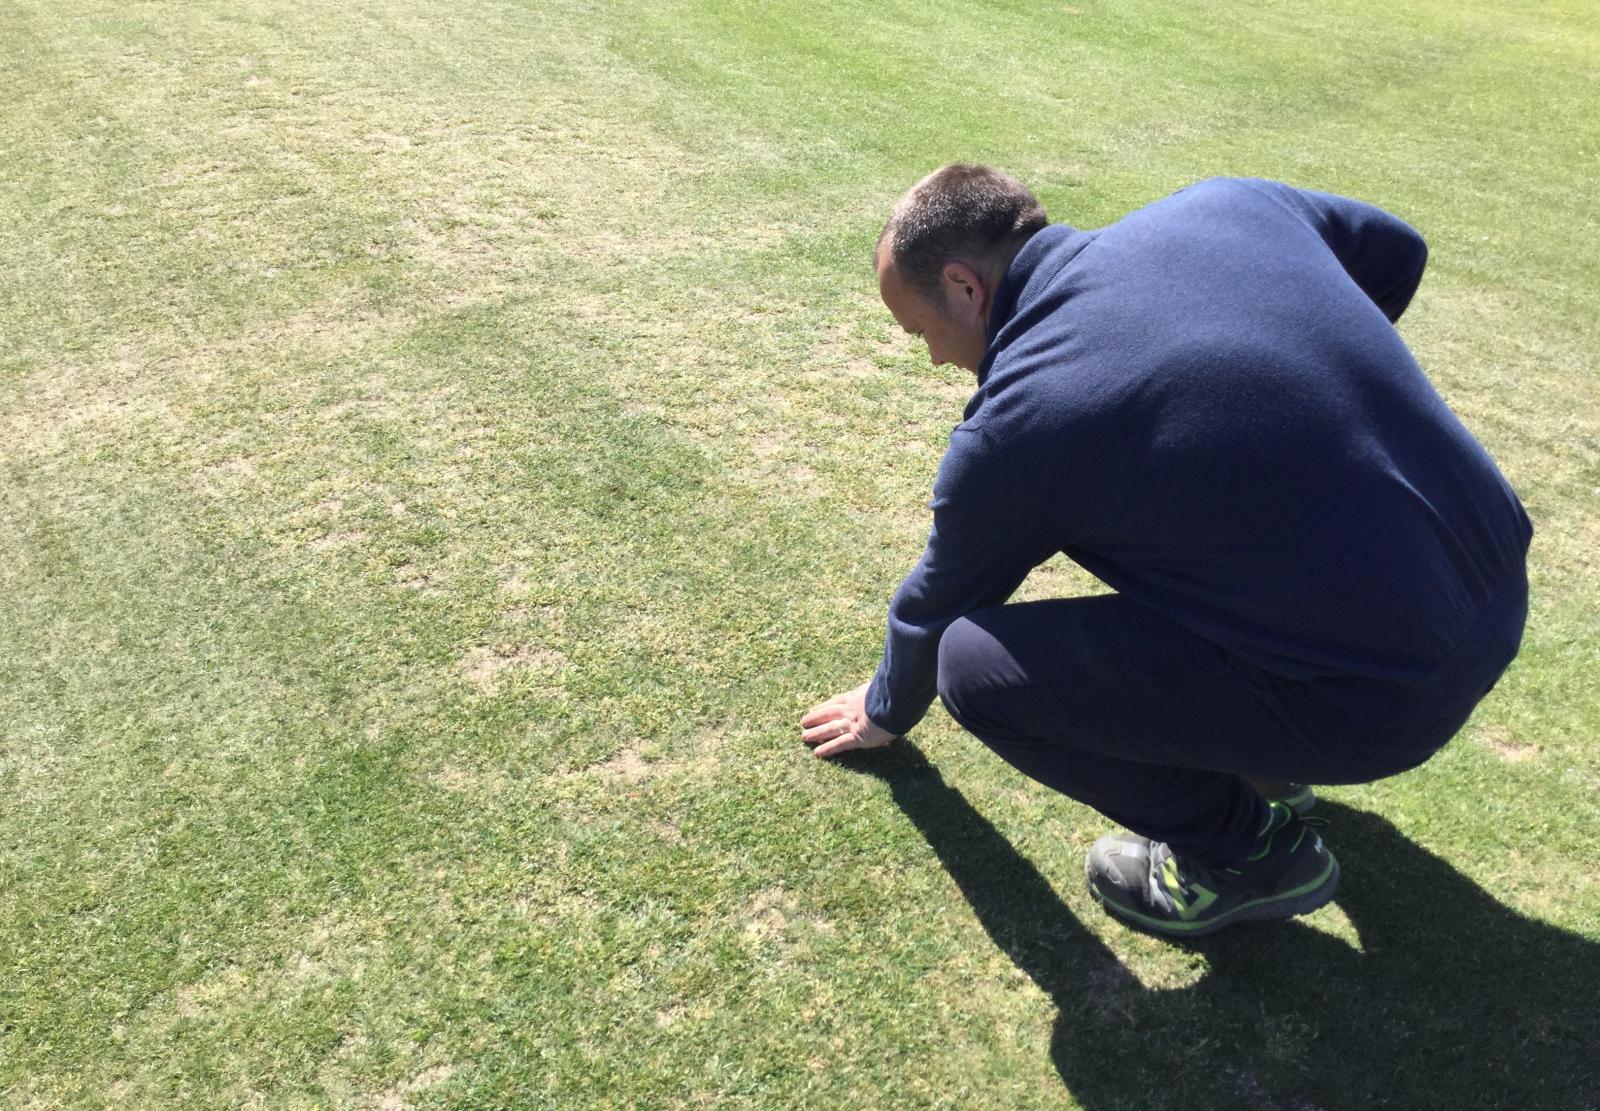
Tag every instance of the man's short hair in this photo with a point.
(961, 213)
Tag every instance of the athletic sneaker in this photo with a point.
(1141, 882)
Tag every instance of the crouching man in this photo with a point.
(1318, 572)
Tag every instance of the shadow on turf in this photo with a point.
(1454, 1001)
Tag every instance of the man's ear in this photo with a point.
(964, 290)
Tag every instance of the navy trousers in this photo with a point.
(1158, 729)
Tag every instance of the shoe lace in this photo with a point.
(1310, 822)
(1187, 873)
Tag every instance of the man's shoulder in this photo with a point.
(1216, 193)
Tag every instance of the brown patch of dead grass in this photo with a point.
(87, 408)
(408, 576)
(666, 831)
(485, 665)
(454, 778)
(627, 766)
(345, 538)
(395, 1099)
(1506, 745)
(767, 914)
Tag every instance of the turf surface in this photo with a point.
(445, 447)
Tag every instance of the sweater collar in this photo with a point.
(1040, 259)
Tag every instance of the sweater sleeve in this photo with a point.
(1382, 253)
(982, 545)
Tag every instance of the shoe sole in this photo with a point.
(1275, 908)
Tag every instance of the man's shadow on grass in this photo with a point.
(1453, 1001)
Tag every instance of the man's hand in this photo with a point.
(841, 724)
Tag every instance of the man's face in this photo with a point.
(954, 326)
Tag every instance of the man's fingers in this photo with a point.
(836, 746)
(822, 712)
(825, 731)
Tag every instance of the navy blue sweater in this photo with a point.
(1207, 406)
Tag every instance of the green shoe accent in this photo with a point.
(1188, 908)
(1296, 796)
(1300, 798)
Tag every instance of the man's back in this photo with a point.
(1205, 405)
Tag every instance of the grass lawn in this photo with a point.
(445, 447)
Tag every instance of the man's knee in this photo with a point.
(963, 650)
